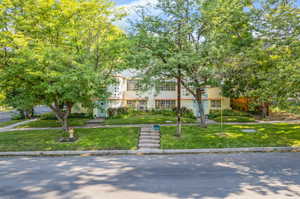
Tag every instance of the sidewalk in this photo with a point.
(151, 151)
(12, 127)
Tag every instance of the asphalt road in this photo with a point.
(238, 176)
(6, 116)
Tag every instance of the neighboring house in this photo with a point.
(127, 93)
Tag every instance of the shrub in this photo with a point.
(185, 112)
(52, 116)
(117, 112)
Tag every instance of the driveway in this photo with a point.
(6, 116)
(237, 176)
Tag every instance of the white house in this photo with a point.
(126, 93)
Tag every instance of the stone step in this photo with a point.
(149, 142)
(150, 134)
(149, 137)
(146, 129)
(149, 146)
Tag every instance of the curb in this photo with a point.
(150, 152)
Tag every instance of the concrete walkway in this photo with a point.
(12, 127)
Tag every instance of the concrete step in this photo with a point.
(149, 145)
(146, 129)
(149, 137)
(150, 134)
(149, 142)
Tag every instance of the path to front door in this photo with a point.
(149, 139)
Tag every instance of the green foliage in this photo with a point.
(125, 112)
(148, 117)
(52, 116)
(268, 69)
(58, 53)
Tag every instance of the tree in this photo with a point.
(267, 70)
(59, 52)
(189, 41)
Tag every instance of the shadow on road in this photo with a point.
(274, 175)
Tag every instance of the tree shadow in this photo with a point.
(275, 175)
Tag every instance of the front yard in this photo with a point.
(7, 123)
(267, 135)
(53, 123)
(89, 139)
(147, 118)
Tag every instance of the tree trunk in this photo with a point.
(201, 108)
(265, 110)
(178, 132)
(22, 114)
(62, 115)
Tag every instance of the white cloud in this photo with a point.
(131, 10)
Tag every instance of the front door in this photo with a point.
(101, 109)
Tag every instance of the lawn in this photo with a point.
(234, 119)
(89, 139)
(231, 116)
(53, 123)
(7, 123)
(147, 118)
(268, 135)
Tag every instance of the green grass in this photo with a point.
(234, 119)
(268, 135)
(147, 118)
(54, 123)
(89, 139)
(3, 124)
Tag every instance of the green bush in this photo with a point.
(117, 112)
(52, 116)
(185, 112)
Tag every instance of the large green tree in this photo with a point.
(58, 52)
(189, 41)
(268, 70)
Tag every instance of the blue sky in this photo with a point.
(126, 2)
(131, 6)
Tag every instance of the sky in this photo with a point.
(131, 6)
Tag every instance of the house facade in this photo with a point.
(127, 93)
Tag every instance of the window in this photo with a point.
(165, 104)
(137, 104)
(167, 86)
(215, 103)
(116, 90)
(133, 85)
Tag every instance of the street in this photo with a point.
(6, 116)
(238, 176)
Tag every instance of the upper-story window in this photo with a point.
(166, 86)
(133, 85)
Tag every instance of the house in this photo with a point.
(127, 93)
